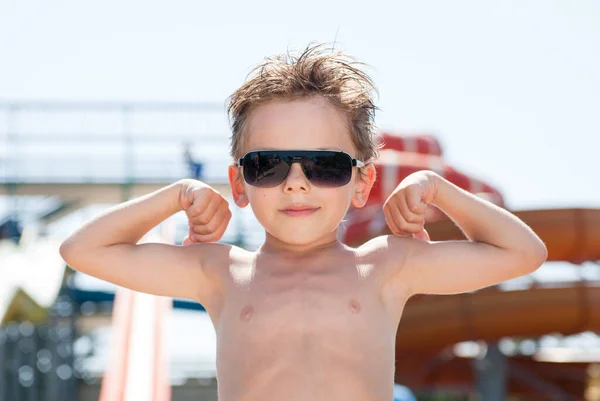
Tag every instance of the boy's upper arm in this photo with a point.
(452, 267)
(153, 268)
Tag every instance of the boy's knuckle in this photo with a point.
(413, 219)
(203, 219)
(201, 230)
(403, 225)
(212, 225)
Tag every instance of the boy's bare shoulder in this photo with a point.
(382, 245)
(216, 255)
(216, 258)
(385, 252)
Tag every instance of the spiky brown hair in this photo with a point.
(316, 71)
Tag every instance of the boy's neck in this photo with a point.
(273, 245)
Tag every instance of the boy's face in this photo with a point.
(306, 124)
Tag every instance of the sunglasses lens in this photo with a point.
(264, 170)
(322, 168)
(328, 169)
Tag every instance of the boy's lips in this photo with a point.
(299, 210)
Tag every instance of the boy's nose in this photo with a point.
(296, 180)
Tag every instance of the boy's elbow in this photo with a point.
(536, 256)
(65, 251)
(68, 251)
(542, 251)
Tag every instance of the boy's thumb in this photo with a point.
(187, 241)
(423, 235)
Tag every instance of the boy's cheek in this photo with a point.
(261, 202)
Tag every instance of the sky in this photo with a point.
(511, 88)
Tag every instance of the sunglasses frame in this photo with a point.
(296, 156)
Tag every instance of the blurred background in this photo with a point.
(103, 102)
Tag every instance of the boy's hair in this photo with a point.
(332, 75)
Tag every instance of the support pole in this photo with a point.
(490, 374)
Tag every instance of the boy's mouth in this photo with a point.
(299, 210)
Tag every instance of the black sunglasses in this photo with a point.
(323, 168)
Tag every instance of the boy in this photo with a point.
(305, 317)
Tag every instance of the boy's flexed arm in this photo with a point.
(106, 246)
(499, 246)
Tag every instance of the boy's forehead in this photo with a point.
(298, 124)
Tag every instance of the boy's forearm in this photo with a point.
(482, 221)
(127, 222)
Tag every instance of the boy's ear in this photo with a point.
(364, 183)
(237, 186)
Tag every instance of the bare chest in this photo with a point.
(326, 315)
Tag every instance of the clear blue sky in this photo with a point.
(511, 88)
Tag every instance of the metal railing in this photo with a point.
(106, 142)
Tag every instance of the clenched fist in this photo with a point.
(207, 211)
(406, 207)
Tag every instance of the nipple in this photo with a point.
(246, 313)
(354, 306)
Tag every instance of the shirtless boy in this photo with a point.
(305, 317)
